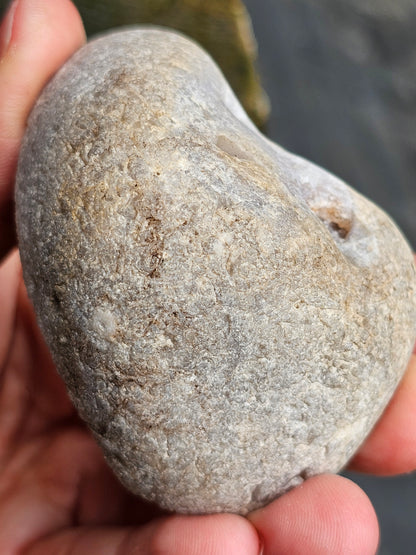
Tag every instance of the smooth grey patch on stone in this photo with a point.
(229, 318)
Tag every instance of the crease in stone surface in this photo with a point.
(229, 318)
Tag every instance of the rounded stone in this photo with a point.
(229, 318)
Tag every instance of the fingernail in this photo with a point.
(6, 28)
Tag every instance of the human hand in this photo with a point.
(57, 494)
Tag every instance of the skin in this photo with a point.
(57, 495)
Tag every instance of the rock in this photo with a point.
(222, 27)
(229, 318)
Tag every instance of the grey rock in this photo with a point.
(229, 318)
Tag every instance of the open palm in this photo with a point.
(57, 495)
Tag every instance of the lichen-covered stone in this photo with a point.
(229, 318)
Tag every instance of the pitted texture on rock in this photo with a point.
(229, 318)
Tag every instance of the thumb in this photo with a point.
(36, 37)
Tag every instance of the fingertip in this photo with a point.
(218, 534)
(31, 16)
(42, 36)
(391, 447)
(328, 514)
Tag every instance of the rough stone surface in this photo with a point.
(229, 318)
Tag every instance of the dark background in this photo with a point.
(341, 77)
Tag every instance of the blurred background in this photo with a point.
(341, 79)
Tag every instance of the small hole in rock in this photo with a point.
(342, 232)
(256, 494)
(305, 474)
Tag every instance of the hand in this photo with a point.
(57, 494)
